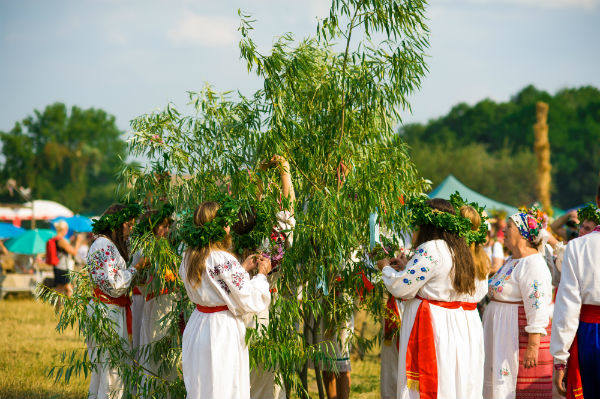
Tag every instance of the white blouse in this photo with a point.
(427, 274)
(526, 280)
(108, 269)
(579, 285)
(226, 282)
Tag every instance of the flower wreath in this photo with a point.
(213, 231)
(147, 224)
(115, 220)
(422, 214)
(589, 212)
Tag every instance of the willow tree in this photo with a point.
(329, 105)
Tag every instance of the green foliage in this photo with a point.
(114, 221)
(331, 115)
(574, 134)
(69, 157)
(589, 212)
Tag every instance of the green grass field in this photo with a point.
(29, 346)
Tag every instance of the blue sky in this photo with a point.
(131, 57)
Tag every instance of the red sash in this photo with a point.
(137, 291)
(123, 301)
(421, 361)
(164, 291)
(211, 309)
(588, 314)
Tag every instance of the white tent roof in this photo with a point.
(42, 210)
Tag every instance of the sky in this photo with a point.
(133, 57)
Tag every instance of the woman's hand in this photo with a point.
(250, 263)
(531, 355)
(264, 265)
(559, 382)
(381, 263)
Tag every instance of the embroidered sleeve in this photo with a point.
(108, 270)
(567, 309)
(535, 285)
(245, 294)
(406, 283)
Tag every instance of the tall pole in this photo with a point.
(541, 147)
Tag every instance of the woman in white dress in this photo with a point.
(215, 358)
(516, 322)
(158, 298)
(107, 265)
(441, 337)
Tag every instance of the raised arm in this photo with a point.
(406, 283)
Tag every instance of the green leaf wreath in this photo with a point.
(589, 212)
(115, 220)
(213, 231)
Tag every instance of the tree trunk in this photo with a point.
(542, 151)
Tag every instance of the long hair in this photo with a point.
(463, 267)
(195, 257)
(480, 258)
(117, 235)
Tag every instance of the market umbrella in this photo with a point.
(32, 242)
(77, 223)
(8, 230)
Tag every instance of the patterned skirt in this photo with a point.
(535, 382)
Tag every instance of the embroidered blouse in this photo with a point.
(428, 275)
(108, 270)
(225, 282)
(528, 280)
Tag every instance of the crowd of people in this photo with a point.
(538, 319)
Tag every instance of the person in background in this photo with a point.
(66, 257)
(576, 324)
(565, 226)
(517, 321)
(83, 250)
(494, 251)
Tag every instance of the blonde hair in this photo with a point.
(480, 258)
(61, 225)
(195, 257)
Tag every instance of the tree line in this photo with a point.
(489, 145)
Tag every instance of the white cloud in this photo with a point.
(204, 30)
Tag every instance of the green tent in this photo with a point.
(451, 184)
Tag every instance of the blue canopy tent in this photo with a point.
(8, 230)
(451, 184)
(77, 223)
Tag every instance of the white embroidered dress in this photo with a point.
(526, 280)
(109, 272)
(215, 358)
(458, 334)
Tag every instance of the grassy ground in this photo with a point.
(29, 346)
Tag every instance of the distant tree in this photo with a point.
(574, 132)
(69, 157)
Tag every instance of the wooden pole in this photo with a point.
(541, 147)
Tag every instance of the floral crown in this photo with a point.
(589, 212)
(148, 223)
(114, 221)
(213, 231)
(421, 214)
(530, 223)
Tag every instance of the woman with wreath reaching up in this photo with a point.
(111, 277)
(273, 244)
(441, 337)
(215, 357)
(517, 320)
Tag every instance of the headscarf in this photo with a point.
(529, 226)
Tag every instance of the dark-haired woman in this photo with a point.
(441, 337)
(107, 264)
(215, 359)
(518, 363)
